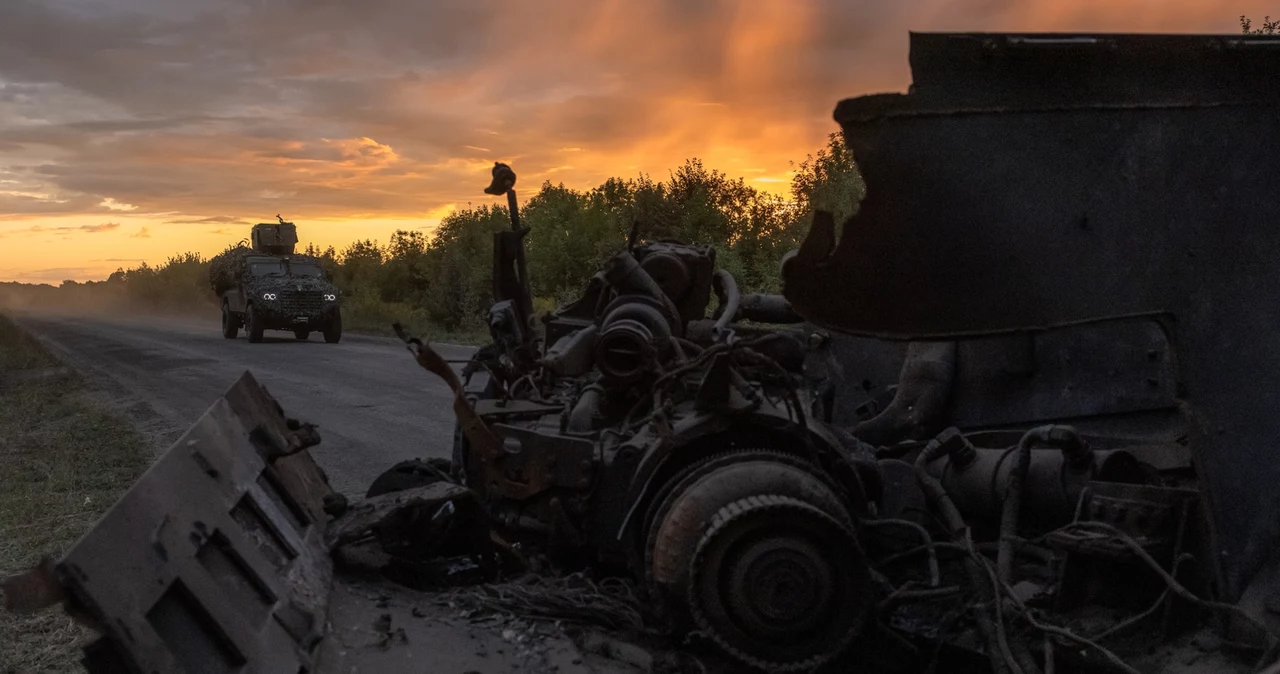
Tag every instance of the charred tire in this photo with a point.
(333, 329)
(691, 510)
(301, 335)
(779, 584)
(410, 474)
(253, 325)
(230, 324)
(414, 539)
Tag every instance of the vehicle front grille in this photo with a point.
(304, 303)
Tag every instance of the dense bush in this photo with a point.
(442, 283)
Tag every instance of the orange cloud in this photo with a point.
(104, 227)
(394, 110)
(91, 229)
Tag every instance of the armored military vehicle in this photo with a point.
(1073, 470)
(267, 286)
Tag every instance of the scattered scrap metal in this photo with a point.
(1047, 487)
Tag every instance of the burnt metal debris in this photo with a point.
(1035, 440)
(638, 433)
(213, 559)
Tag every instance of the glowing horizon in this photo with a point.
(158, 127)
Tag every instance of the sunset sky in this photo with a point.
(134, 129)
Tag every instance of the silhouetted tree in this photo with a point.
(1269, 27)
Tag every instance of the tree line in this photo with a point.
(443, 280)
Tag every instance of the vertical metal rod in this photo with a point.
(515, 211)
(522, 267)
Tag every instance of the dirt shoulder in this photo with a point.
(64, 459)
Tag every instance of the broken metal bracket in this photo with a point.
(212, 560)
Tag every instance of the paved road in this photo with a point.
(374, 406)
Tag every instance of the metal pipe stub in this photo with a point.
(632, 338)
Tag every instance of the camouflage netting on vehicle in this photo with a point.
(228, 267)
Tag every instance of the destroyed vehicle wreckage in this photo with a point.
(1069, 471)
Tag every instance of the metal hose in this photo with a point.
(996, 646)
(729, 296)
(1074, 451)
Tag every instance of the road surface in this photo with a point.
(372, 403)
(374, 406)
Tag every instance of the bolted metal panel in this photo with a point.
(1136, 69)
(214, 560)
(996, 202)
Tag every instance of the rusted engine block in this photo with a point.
(647, 435)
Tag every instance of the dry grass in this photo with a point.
(368, 315)
(63, 461)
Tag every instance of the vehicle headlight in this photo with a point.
(330, 297)
(268, 296)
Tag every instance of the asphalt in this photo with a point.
(372, 403)
(374, 406)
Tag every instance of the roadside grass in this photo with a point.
(63, 461)
(363, 311)
(373, 316)
(365, 315)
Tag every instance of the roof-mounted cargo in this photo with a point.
(275, 238)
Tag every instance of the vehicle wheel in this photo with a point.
(253, 325)
(333, 331)
(230, 324)
(302, 334)
(410, 474)
(418, 538)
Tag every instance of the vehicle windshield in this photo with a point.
(309, 270)
(266, 268)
